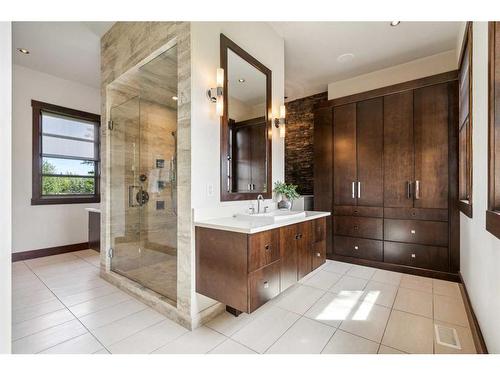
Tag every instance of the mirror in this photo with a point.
(245, 126)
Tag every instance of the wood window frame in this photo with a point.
(37, 197)
(493, 212)
(465, 172)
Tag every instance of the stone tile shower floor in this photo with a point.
(156, 270)
(61, 305)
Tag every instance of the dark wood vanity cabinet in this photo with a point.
(394, 173)
(244, 271)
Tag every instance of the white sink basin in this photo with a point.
(272, 216)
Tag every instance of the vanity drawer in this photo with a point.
(416, 231)
(431, 257)
(263, 249)
(263, 284)
(433, 214)
(319, 230)
(358, 248)
(365, 227)
(318, 254)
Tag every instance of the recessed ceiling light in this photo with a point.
(174, 98)
(395, 23)
(24, 51)
(345, 57)
(241, 80)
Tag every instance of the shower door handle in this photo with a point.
(131, 196)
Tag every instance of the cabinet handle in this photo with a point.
(408, 189)
(267, 247)
(353, 190)
(318, 255)
(359, 189)
(413, 256)
(356, 227)
(417, 189)
(413, 231)
(266, 284)
(297, 237)
(356, 247)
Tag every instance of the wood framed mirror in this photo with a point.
(246, 129)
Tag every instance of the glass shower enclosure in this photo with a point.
(143, 174)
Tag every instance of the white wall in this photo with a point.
(262, 42)
(37, 227)
(480, 250)
(427, 66)
(5, 186)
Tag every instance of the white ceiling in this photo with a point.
(253, 90)
(69, 50)
(312, 49)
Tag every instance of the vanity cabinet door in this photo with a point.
(304, 249)
(263, 249)
(288, 251)
(318, 255)
(264, 285)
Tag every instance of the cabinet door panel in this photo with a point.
(241, 158)
(304, 249)
(323, 166)
(264, 285)
(288, 250)
(318, 254)
(370, 134)
(431, 146)
(344, 153)
(263, 249)
(259, 144)
(398, 149)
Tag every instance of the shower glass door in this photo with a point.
(143, 178)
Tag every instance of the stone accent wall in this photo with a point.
(299, 142)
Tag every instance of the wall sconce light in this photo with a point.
(281, 121)
(216, 94)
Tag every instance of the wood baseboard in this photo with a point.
(477, 336)
(396, 267)
(25, 255)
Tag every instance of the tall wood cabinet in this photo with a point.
(393, 167)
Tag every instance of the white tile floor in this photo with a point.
(60, 305)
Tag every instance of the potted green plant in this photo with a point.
(288, 193)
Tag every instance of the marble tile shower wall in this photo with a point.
(124, 46)
(159, 226)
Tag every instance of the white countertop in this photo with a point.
(90, 209)
(240, 225)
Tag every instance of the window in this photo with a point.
(65, 155)
(493, 213)
(465, 125)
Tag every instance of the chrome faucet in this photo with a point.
(259, 198)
